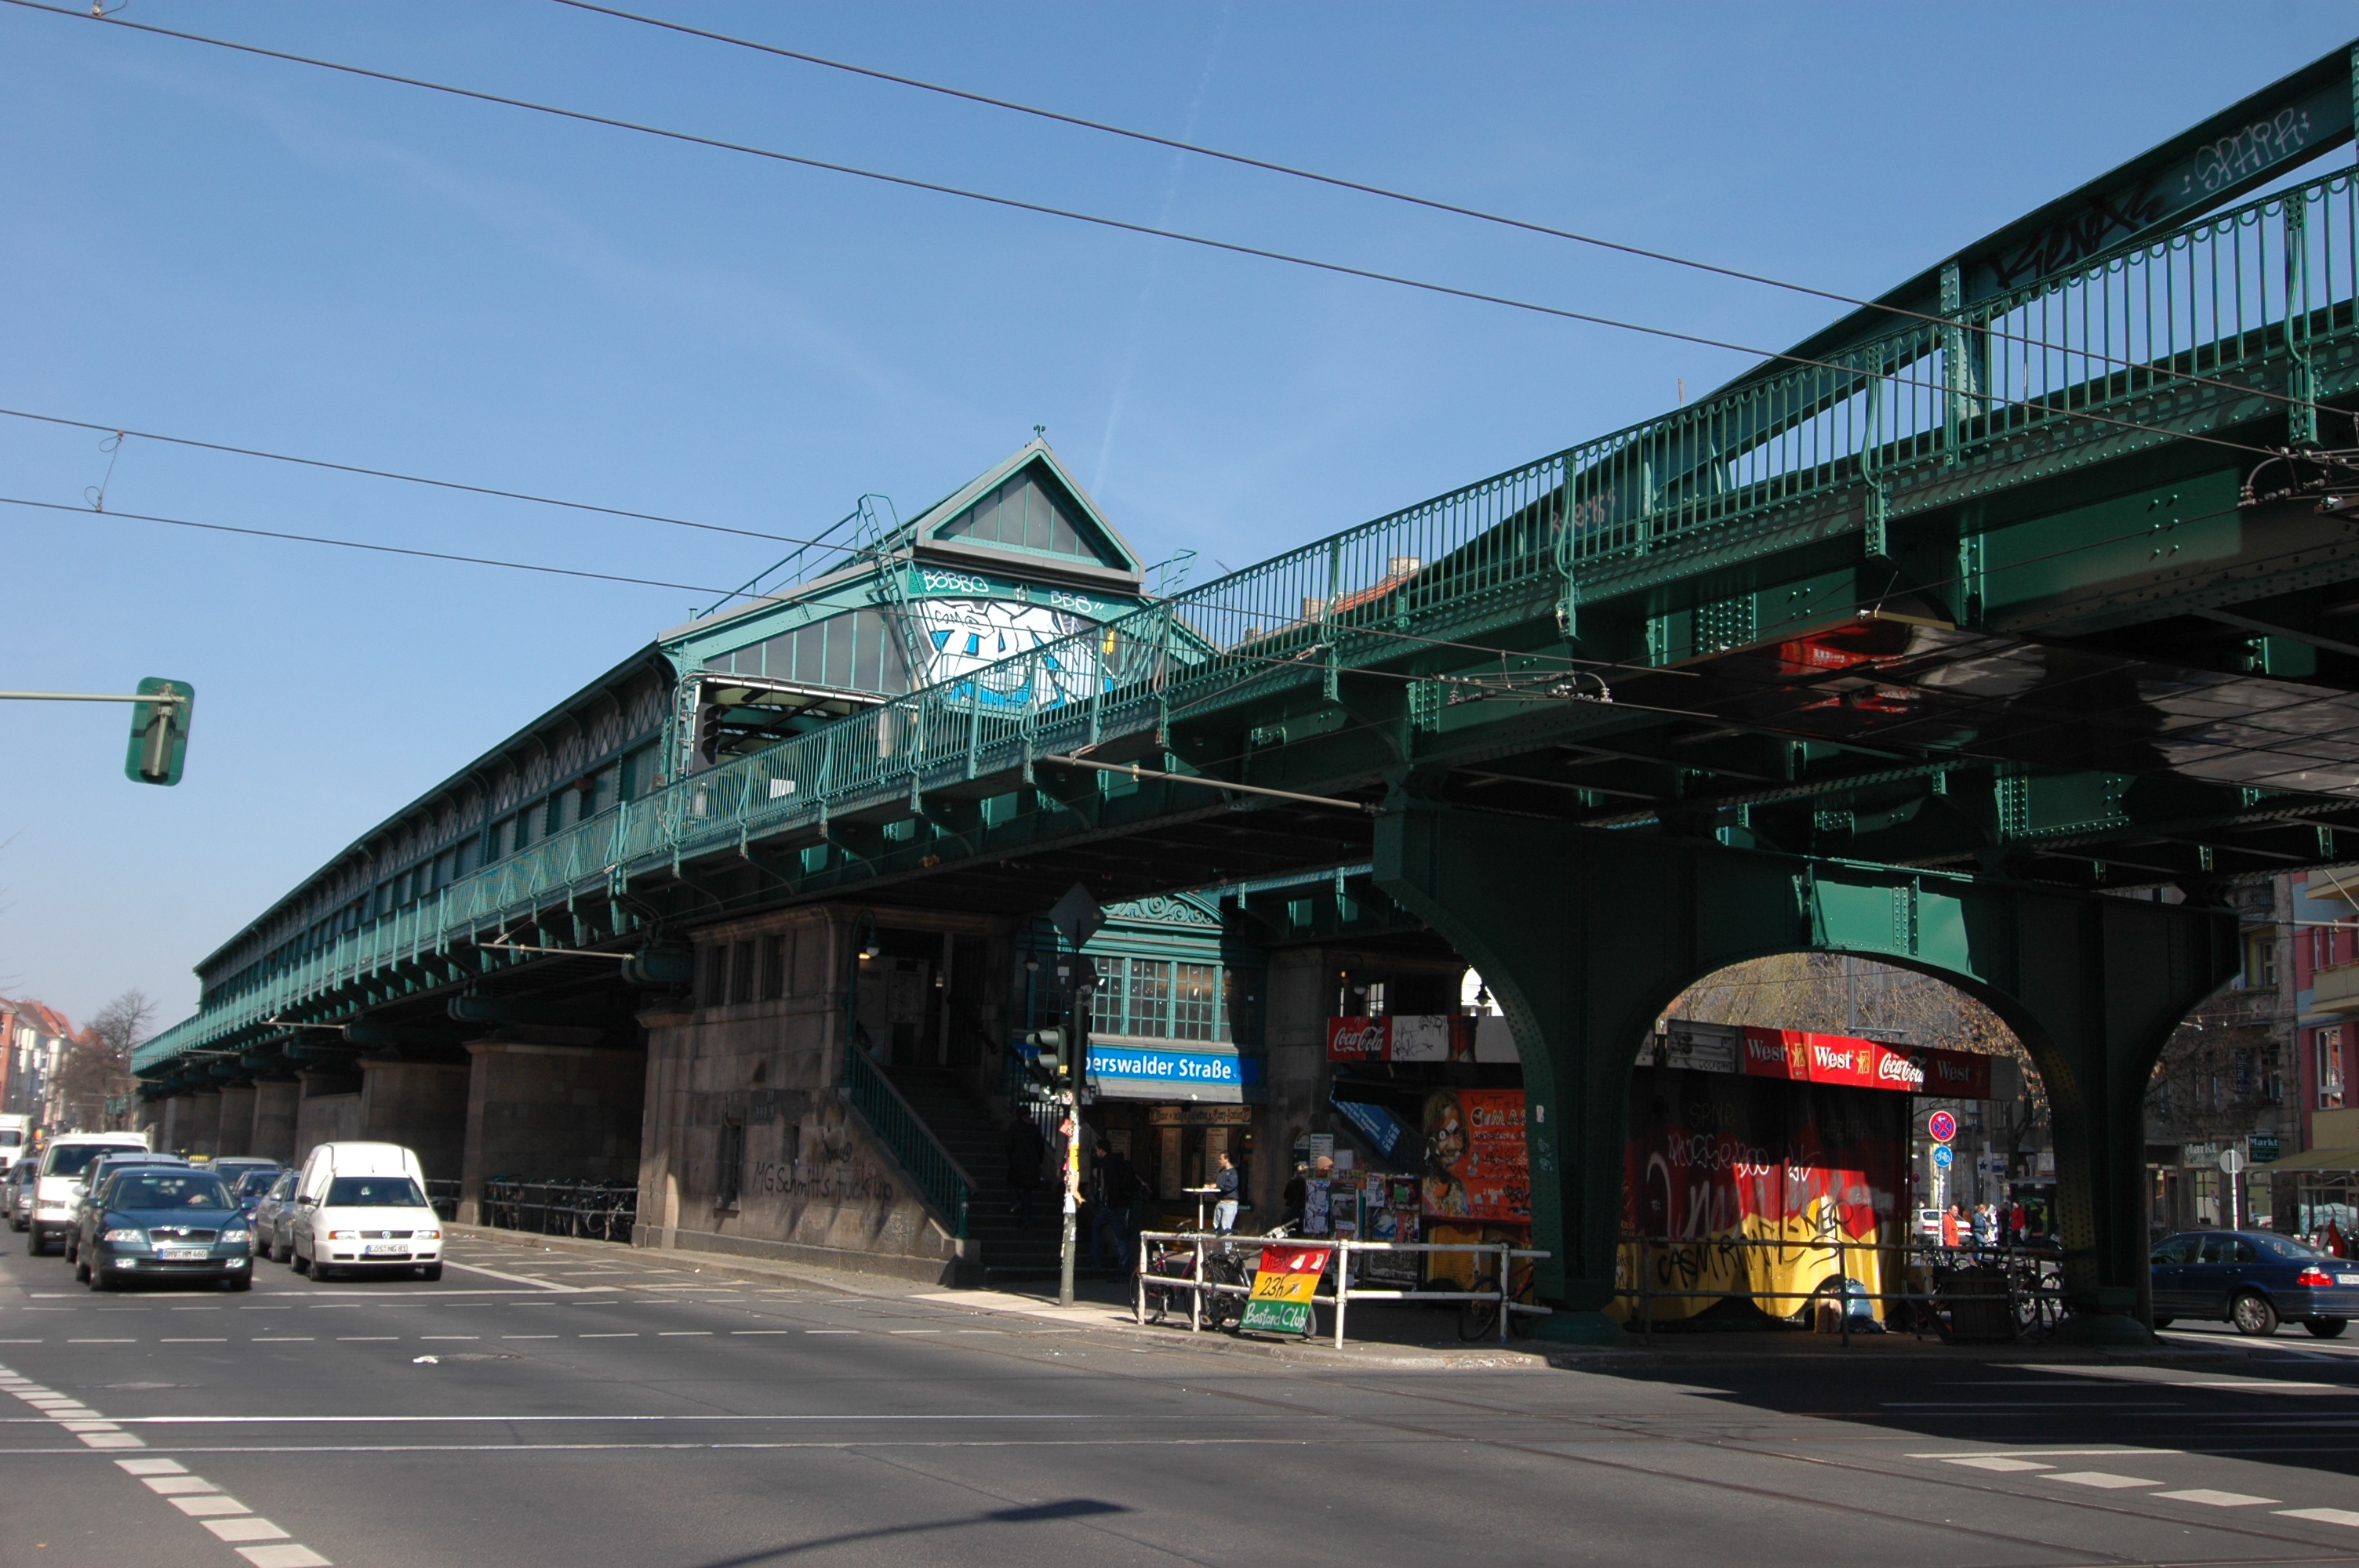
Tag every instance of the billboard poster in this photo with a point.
(1475, 1165)
(1358, 1039)
(1282, 1287)
(1420, 1038)
(1713, 1158)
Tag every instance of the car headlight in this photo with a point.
(139, 1237)
(429, 1236)
(240, 1235)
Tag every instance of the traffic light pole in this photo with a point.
(157, 735)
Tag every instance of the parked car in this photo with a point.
(57, 1186)
(16, 1197)
(273, 1222)
(2253, 1279)
(363, 1205)
(94, 1177)
(234, 1168)
(1928, 1225)
(248, 1188)
(159, 1222)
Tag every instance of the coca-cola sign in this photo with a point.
(1358, 1039)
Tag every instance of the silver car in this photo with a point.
(16, 1196)
(274, 1235)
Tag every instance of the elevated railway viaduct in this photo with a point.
(1988, 633)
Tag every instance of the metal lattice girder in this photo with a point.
(1586, 936)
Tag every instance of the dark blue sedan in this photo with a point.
(164, 1222)
(2255, 1280)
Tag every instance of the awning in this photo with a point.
(2333, 1160)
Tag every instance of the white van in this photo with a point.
(59, 1186)
(363, 1205)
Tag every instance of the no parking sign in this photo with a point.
(1942, 1126)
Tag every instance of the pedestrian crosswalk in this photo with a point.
(2043, 1469)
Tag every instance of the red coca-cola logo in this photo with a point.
(1355, 1039)
(1891, 1069)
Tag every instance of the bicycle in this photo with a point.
(1478, 1318)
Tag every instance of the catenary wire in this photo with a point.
(1072, 215)
(416, 479)
(360, 544)
(1432, 203)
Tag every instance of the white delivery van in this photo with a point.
(59, 1184)
(14, 1128)
(363, 1206)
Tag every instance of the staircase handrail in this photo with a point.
(932, 1169)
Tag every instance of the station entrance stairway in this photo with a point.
(1013, 1251)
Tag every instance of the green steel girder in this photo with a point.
(1585, 936)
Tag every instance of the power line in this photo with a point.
(360, 544)
(119, 430)
(1362, 187)
(1072, 215)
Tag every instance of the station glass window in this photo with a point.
(1107, 1002)
(774, 967)
(741, 974)
(1150, 997)
(1024, 513)
(1195, 1001)
(860, 649)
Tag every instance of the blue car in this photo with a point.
(164, 1222)
(2255, 1280)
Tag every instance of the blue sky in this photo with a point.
(248, 252)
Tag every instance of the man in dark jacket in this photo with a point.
(1110, 1223)
(1026, 1148)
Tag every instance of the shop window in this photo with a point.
(2329, 1069)
(774, 967)
(741, 974)
(1150, 997)
(1195, 1001)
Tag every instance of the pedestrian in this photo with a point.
(1986, 1226)
(1950, 1218)
(1298, 1193)
(2016, 1223)
(1110, 1222)
(1225, 1210)
(1025, 1149)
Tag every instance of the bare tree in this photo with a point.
(94, 1081)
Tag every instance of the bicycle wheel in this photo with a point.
(1478, 1319)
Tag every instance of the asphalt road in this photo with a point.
(541, 1409)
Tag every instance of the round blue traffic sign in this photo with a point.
(1942, 1126)
(1942, 1155)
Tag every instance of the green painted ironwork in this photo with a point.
(905, 1134)
(2139, 346)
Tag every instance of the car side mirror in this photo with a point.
(306, 1203)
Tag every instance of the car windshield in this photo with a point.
(167, 1189)
(374, 1192)
(284, 1187)
(74, 1158)
(256, 1181)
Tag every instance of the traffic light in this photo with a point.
(1054, 1065)
(159, 731)
(709, 720)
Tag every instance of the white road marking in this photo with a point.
(528, 1336)
(367, 1338)
(101, 1342)
(683, 1333)
(172, 1485)
(196, 1342)
(2048, 1453)
(551, 1286)
(609, 1337)
(2100, 1479)
(282, 1339)
(2211, 1498)
(216, 1504)
(450, 1337)
(2322, 1516)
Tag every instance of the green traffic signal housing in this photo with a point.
(1051, 1065)
(159, 731)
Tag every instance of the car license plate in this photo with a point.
(181, 1254)
(2347, 1278)
(386, 1250)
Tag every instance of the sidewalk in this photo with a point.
(1393, 1336)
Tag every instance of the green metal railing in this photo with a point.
(939, 1179)
(2116, 348)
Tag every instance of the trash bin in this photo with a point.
(1981, 1310)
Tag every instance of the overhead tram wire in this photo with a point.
(1150, 230)
(361, 545)
(417, 479)
(1362, 187)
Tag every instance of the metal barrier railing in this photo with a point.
(1212, 1246)
(444, 1197)
(2030, 1281)
(599, 1211)
(940, 1179)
